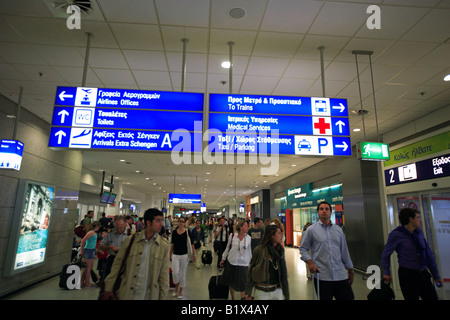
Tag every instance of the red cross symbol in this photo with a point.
(322, 126)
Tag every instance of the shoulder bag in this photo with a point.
(113, 296)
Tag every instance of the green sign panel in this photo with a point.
(373, 151)
(305, 196)
(426, 147)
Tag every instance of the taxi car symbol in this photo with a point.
(303, 144)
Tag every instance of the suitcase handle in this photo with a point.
(318, 285)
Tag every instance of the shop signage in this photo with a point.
(373, 151)
(275, 124)
(254, 200)
(305, 196)
(433, 168)
(122, 119)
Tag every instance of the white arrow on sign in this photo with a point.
(60, 134)
(344, 146)
(341, 107)
(63, 113)
(340, 124)
(62, 95)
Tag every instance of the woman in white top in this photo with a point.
(238, 255)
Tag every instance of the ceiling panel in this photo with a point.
(334, 19)
(136, 11)
(277, 45)
(193, 13)
(290, 15)
(137, 36)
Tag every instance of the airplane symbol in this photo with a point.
(84, 133)
(86, 90)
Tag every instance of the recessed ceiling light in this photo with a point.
(447, 77)
(225, 64)
(356, 130)
(122, 160)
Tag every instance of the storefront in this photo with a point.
(300, 207)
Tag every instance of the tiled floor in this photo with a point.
(197, 285)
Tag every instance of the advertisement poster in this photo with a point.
(37, 210)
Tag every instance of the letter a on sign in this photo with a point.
(374, 21)
(74, 21)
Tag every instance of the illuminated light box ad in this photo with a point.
(11, 154)
(30, 227)
(185, 198)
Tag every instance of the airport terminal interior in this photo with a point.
(240, 109)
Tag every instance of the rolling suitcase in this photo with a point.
(171, 284)
(216, 290)
(207, 257)
(64, 276)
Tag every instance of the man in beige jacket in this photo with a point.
(146, 274)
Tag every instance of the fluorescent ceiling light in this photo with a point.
(447, 77)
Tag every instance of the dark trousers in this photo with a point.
(222, 245)
(415, 284)
(340, 290)
(108, 265)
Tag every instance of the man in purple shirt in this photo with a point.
(414, 258)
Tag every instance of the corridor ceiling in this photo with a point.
(136, 44)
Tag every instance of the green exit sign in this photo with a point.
(373, 151)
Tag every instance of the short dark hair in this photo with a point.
(256, 220)
(331, 209)
(151, 213)
(405, 214)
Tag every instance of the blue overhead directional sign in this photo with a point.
(277, 105)
(185, 198)
(284, 125)
(125, 119)
(124, 98)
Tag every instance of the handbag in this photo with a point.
(113, 296)
(189, 246)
